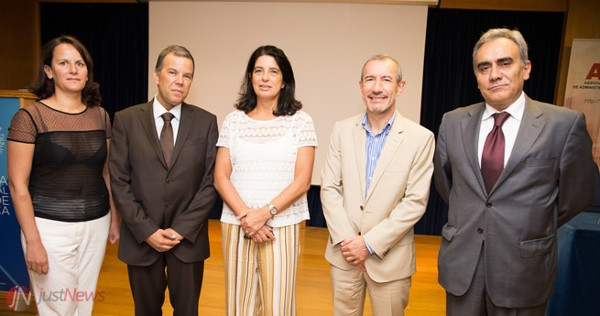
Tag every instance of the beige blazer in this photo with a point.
(396, 200)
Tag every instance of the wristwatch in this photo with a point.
(272, 210)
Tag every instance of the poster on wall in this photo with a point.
(583, 86)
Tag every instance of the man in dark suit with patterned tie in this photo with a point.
(161, 164)
(512, 170)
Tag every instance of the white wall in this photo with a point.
(327, 44)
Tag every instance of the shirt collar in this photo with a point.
(365, 124)
(515, 110)
(159, 109)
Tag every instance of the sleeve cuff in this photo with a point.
(368, 246)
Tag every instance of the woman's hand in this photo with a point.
(254, 220)
(114, 230)
(265, 234)
(36, 257)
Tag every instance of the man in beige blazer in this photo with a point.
(374, 188)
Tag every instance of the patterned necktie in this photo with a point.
(492, 158)
(166, 137)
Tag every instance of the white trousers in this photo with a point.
(75, 254)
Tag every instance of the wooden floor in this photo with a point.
(313, 283)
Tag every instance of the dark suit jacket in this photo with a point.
(151, 195)
(548, 178)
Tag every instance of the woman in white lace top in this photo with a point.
(262, 172)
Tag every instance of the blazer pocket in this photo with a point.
(196, 141)
(536, 247)
(448, 232)
(532, 162)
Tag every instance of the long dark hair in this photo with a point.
(287, 103)
(43, 87)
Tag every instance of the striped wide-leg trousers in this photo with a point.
(260, 277)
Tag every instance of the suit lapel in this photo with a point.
(392, 144)
(149, 126)
(470, 125)
(359, 139)
(530, 128)
(184, 129)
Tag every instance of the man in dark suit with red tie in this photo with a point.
(162, 158)
(512, 170)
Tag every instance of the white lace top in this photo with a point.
(263, 158)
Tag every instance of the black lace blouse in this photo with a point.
(66, 182)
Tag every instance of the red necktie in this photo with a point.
(492, 158)
(166, 137)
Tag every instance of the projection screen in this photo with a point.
(327, 44)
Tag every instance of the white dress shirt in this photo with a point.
(159, 110)
(510, 128)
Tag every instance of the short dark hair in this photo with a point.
(287, 103)
(178, 51)
(43, 87)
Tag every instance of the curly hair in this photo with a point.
(43, 87)
(287, 103)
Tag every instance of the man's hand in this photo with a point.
(174, 235)
(355, 251)
(163, 240)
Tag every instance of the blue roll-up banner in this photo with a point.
(14, 280)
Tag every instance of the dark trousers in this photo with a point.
(148, 285)
(476, 301)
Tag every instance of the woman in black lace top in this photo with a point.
(58, 178)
